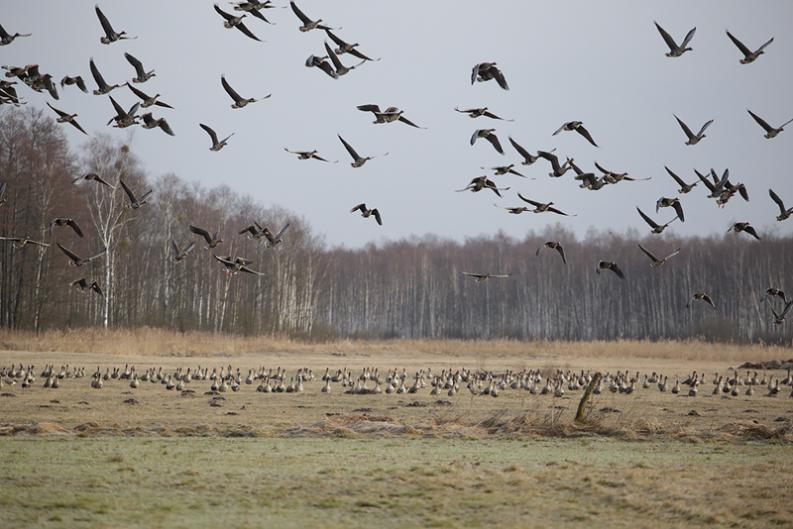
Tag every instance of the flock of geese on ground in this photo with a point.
(719, 186)
(371, 381)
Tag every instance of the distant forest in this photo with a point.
(404, 289)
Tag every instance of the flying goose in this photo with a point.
(717, 185)
(578, 127)
(540, 207)
(319, 62)
(366, 212)
(674, 49)
(749, 56)
(357, 160)
(776, 292)
(62, 221)
(479, 112)
(37, 81)
(179, 254)
(149, 122)
(124, 118)
(308, 24)
(230, 21)
(729, 191)
(65, 117)
(693, 139)
(76, 80)
(486, 71)
(612, 177)
(745, 227)
(254, 7)
(770, 132)
(102, 87)
(92, 177)
(674, 203)
(8, 94)
(482, 182)
(239, 102)
(341, 69)
(76, 260)
(135, 202)
(238, 264)
(141, 75)
(309, 155)
(389, 115)
(344, 47)
(6, 38)
(110, 34)
(784, 214)
(254, 231)
(528, 158)
(481, 278)
(656, 228)
(147, 100)
(553, 245)
(505, 169)
(489, 135)
(701, 296)
(557, 170)
(517, 210)
(275, 240)
(84, 285)
(216, 145)
(213, 240)
(779, 318)
(684, 187)
(656, 262)
(21, 242)
(607, 265)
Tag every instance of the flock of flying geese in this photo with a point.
(719, 187)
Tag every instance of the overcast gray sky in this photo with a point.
(599, 62)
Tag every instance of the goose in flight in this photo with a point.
(124, 118)
(110, 34)
(486, 71)
(749, 56)
(784, 213)
(479, 112)
(21, 242)
(770, 132)
(389, 115)
(309, 155)
(179, 254)
(528, 158)
(254, 7)
(6, 38)
(255, 231)
(275, 240)
(505, 169)
(147, 100)
(693, 139)
(308, 24)
(481, 278)
(483, 182)
(738, 227)
(779, 318)
(517, 210)
(216, 145)
(611, 177)
(84, 285)
(74, 81)
(701, 296)
(674, 203)
(239, 101)
(76, 260)
(102, 87)
(553, 245)
(340, 68)
(730, 190)
(540, 207)
(776, 293)
(212, 239)
(150, 122)
(141, 75)
(366, 213)
(8, 94)
(717, 185)
(65, 117)
(578, 127)
(230, 21)
(92, 177)
(63, 221)
(656, 262)
(345, 47)
(656, 228)
(319, 62)
(607, 265)
(684, 187)
(232, 266)
(135, 202)
(489, 135)
(358, 161)
(557, 170)
(674, 49)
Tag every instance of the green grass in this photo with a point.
(400, 482)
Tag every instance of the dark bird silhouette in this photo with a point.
(239, 101)
(76, 260)
(358, 161)
(770, 132)
(319, 62)
(749, 56)
(179, 254)
(528, 158)
(278, 238)
(102, 87)
(701, 296)
(784, 213)
(366, 213)
(483, 182)
(255, 231)
(339, 66)
(65, 117)
(578, 127)
(505, 169)
(486, 71)
(84, 285)
(63, 221)
(674, 203)
(92, 177)
(655, 261)
(216, 145)
(308, 24)
(345, 47)
(684, 187)
(230, 21)
(489, 135)
(613, 177)
(238, 264)
(479, 112)
(74, 81)
(124, 118)
(674, 49)
(656, 228)
(212, 239)
(135, 202)
(110, 34)
(254, 8)
(147, 100)
(553, 245)
(779, 317)
(693, 139)
(540, 207)
(141, 75)
(389, 115)
(309, 155)
(6, 38)
(739, 227)
(481, 278)
(607, 265)
(150, 122)
(774, 292)
(557, 170)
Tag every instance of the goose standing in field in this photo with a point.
(684, 187)
(124, 118)
(557, 169)
(110, 34)
(482, 182)
(366, 212)
(65, 117)
(528, 158)
(738, 227)
(150, 122)
(62, 221)
(770, 132)
(76, 260)
(655, 261)
(339, 66)
(102, 87)
(693, 139)
(358, 161)
(179, 254)
(540, 207)
(479, 112)
(489, 135)
(216, 145)
(309, 155)
(212, 239)
(674, 49)
(254, 7)
(84, 285)
(345, 47)
(656, 228)
(92, 177)
(147, 100)
(6, 38)
(21, 242)
(505, 169)
(135, 202)
(481, 278)
(230, 21)
(749, 56)
(389, 115)
(319, 62)
(74, 81)
(607, 265)
(784, 213)
(701, 296)
(239, 102)
(141, 75)
(308, 24)
(486, 71)
(578, 127)
(553, 245)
